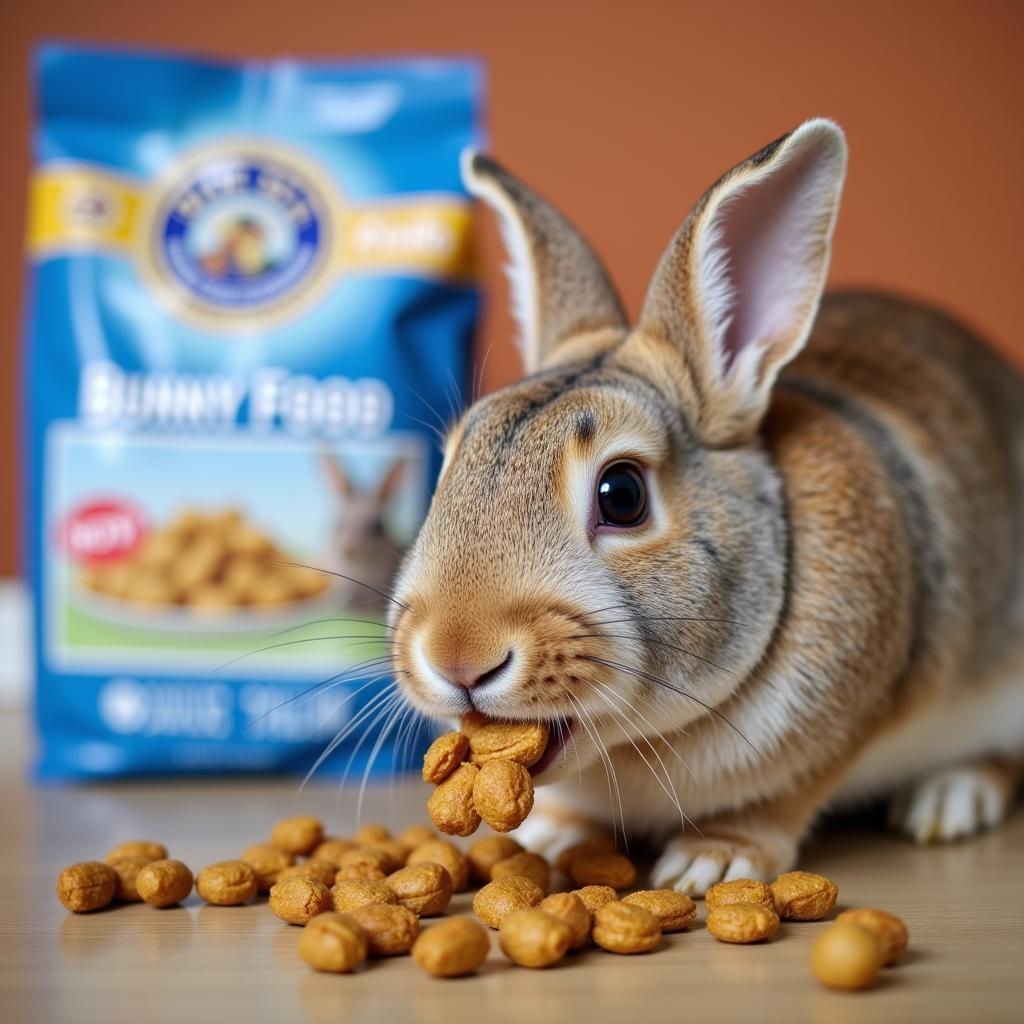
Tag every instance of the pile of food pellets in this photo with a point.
(365, 896)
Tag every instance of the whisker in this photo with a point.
(454, 400)
(320, 622)
(291, 643)
(330, 682)
(478, 382)
(660, 643)
(382, 714)
(394, 716)
(438, 431)
(340, 575)
(657, 732)
(640, 674)
(669, 792)
(400, 754)
(674, 618)
(579, 764)
(344, 733)
(612, 777)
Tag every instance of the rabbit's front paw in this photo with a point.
(954, 803)
(552, 828)
(693, 865)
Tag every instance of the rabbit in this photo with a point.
(758, 554)
(364, 554)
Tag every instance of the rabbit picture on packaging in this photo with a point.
(757, 554)
(364, 553)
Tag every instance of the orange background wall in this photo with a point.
(624, 112)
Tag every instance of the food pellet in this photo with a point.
(390, 929)
(448, 855)
(443, 756)
(333, 942)
(370, 856)
(528, 865)
(486, 852)
(451, 948)
(332, 849)
(360, 870)
(128, 869)
(267, 861)
(594, 896)
(352, 893)
(564, 860)
(611, 869)
(675, 910)
(162, 883)
(370, 835)
(395, 849)
(743, 923)
(144, 848)
(299, 835)
(426, 889)
(228, 883)
(451, 806)
(298, 899)
(86, 886)
(569, 908)
(322, 870)
(803, 896)
(416, 835)
(846, 956)
(888, 929)
(503, 794)
(533, 938)
(497, 899)
(739, 890)
(625, 928)
(523, 742)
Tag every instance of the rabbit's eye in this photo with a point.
(622, 495)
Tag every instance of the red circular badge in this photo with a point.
(102, 531)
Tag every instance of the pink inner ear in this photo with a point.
(771, 233)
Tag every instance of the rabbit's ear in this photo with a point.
(337, 475)
(390, 481)
(737, 290)
(560, 290)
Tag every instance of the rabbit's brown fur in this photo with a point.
(831, 577)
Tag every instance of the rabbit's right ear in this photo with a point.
(560, 290)
(736, 292)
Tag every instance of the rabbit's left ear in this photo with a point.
(560, 290)
(736, 292)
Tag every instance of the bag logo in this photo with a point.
(241, 233)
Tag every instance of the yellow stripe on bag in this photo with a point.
(81, 207)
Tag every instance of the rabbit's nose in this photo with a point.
(469, 675)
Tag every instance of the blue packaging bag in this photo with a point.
(250, 287)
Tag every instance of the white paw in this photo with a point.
(952, 804)
(549, 836)
(692, 866)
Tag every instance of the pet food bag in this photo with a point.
(251, 297)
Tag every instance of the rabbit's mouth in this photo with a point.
(557, 740)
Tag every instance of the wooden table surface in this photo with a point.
(195, 963)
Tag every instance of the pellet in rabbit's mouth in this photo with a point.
(557, 739)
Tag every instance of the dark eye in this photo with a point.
(621, 495)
